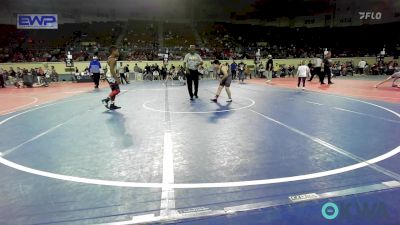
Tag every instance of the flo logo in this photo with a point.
(351, 210)
(330, 211)
(370, 15)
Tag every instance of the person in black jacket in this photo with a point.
(2, 78)
(269, 67)
(127, 73)
(164, 72)
(327, 63)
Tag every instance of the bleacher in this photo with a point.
(140, 41)
(177, 35)
(140, 34)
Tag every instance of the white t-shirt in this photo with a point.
(47, 73)
(121, 69)
(362, 64)
(303, 71)
(192, 61)
(317, 62)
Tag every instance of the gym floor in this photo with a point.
(275, 155)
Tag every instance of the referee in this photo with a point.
(191, 63)
(327, 63)
(94, 68)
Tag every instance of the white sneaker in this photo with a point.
(229, 100)
(303, 88)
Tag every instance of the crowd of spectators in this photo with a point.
(219, 41)
(42, 76)
(22, 77)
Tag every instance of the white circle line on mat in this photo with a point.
(203, 185)
(252, 102)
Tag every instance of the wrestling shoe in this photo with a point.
(113, 107)
(105, 102)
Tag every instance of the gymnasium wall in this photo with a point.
(61, 69)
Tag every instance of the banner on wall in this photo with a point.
(37, 21)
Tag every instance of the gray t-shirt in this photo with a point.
(192, 61)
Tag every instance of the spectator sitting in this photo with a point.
(181, 75)
(260, 70)
(201, 71)
(291, 70)
(156, 74)
(54, 75)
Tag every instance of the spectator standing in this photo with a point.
(164, 72)
(241, 70)
(269, 67)
(136, 68)
(121, 72)
(126, 68)
(233, 70)
(302, 72)
(361, 66)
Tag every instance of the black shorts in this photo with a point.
(226, 82)
(114, 86)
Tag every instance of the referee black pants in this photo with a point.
(96, 79)
(315, 71)
(327, 72)
(193, 76)
(123, 78)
